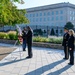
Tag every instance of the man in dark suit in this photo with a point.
(65, 43)
(29, 42)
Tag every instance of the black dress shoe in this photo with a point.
(28, 57)
(24, 50)
(65, 58)
(70, 63)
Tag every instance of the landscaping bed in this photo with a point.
(4, 51)
(51, 42)
(35, 44)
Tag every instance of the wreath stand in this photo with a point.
(15, 54)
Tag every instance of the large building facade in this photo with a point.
(55, 15)
(50, 17)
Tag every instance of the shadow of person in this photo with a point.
(45, 68)
(58, 72)
(10, 62)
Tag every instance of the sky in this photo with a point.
(36, 3)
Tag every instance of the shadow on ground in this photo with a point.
(12, 61)
(45, 68)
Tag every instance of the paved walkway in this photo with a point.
(45, 61)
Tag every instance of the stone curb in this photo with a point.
(35, 44)
(47, 45)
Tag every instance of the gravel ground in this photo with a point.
(4, 51)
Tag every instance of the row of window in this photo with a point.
(72, 12)
(72, 18)
(45, 13)
(47, 19)
(49, 24)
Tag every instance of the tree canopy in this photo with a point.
(10, 15)
(69, 25)
(52, 32)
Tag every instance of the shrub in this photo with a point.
(57, 40)
(38, 32)
(2, 35)
(7, 37)
(12, 36)
(47, 40)
(69, 25)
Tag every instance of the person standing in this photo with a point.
(71, 46)
(29, 42)
(24, 39)
(65, 42)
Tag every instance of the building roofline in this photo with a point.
(51, 6)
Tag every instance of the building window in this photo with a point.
(37, 15)
(73, 12)
(52, 13)
(48, 18)
(44, 19)
(37, 20)
(40, 14)
(48, 13)
(33, 15)
(40, 19)
(56, 17)
(44, 14)
(52, 19)
(70, 12)
(30, 15)
(61, 17)
(61, 11)
(71, 18)
(33, 20)
(57, 12)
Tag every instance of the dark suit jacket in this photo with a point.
(65, 39)
(29, 37)
(71, 42)
(24, 35)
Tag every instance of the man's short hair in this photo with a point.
(66, 28)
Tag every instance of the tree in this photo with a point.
(10, 15)
(69, 25)
(19, 1)
(44, 31)
(52, 32)
(38, 32)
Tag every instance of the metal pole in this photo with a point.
(19, 51)
(36, 29)
(57, 31)
(47, 31)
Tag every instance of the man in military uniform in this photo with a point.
(65, 42)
